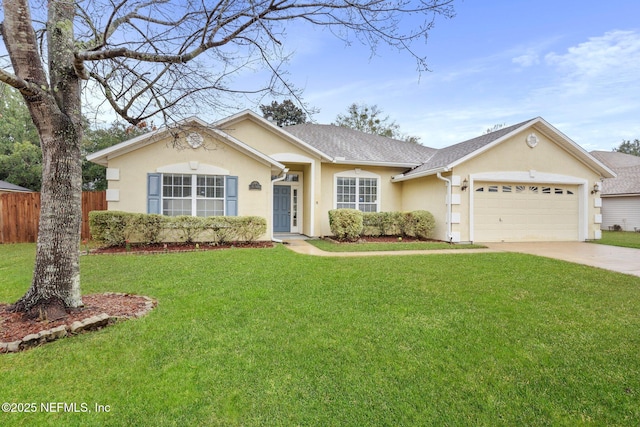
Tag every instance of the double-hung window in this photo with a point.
(357, 192)
(196, 195)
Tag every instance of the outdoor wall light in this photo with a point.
(465, 185)
(596, 188)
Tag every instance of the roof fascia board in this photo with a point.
(403, 177)
(367, 163)
(274, 128)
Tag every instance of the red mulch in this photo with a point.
(178, 247)
(384, 239)
(15, 326)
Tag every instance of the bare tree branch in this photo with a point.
(227, 35)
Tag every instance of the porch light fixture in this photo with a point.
(465, 185)
(596, 188)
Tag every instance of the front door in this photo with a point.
(281, 208)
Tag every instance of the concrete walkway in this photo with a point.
(303, 247)
(622, 260)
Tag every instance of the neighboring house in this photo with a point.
(526, 182)
(7, 187)
(620, 195)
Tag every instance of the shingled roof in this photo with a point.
(349, 145)
(7, 186)
(346, 145)
(627, 168)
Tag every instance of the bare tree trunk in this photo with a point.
(55, 109)
(56, 278)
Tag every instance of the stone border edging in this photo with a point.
(90, 323)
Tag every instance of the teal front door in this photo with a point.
(281, 208)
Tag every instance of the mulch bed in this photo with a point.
(15, 326)
(177, 247)
(383, 239)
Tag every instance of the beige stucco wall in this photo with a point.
(134, 167)
(514, 155)
(430, 194)
(262, 139)
(390, 193)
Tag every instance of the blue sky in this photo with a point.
(574, 63)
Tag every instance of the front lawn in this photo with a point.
(627, 239)
(273, 338)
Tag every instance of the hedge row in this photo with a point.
(114, 228)
(351, 224)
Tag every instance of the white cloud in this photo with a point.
(610, 60)
(527, 60)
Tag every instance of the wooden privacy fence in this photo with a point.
(20, 213)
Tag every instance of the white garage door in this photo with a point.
(525, 213)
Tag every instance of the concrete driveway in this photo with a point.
(622, 260)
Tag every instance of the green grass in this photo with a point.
(627, 239)
(270, 337)
(332, 246)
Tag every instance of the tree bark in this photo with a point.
(55, 109)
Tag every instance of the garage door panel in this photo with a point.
(514, 212)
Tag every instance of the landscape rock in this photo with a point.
(59, 332)
(45, 335)
(31, 339)
(76, 327)
(14, 346)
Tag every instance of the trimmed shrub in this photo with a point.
(113, 228)
(346, 224)
(188, 228)
(109, 227)
(418, 224)
(247, 228)
(150, 227)
(218, 230)
(382, 224)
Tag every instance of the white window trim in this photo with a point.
(357, 173)
(194, 196)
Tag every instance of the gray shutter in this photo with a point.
(231, 195)
(154, 193)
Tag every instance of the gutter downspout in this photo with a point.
(448, 202)
(273, 183)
